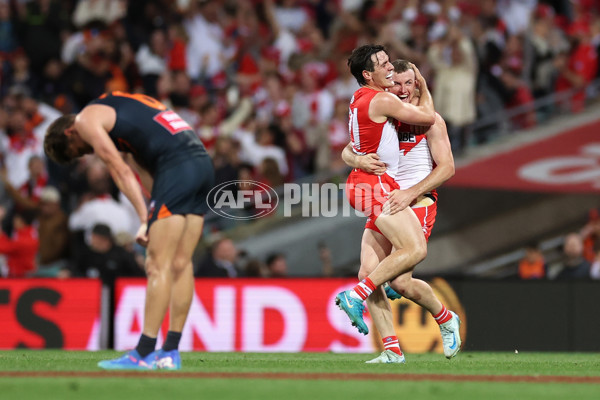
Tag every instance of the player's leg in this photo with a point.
(164, 236)
(374, 248)
(421, 293)
(182, 291)
(403, 230)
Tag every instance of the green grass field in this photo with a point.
(60, 379)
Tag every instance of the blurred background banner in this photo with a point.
(296, 315)
(50, 313)
(567, 162)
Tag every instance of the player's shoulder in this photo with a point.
(93, 114)
(386, 98)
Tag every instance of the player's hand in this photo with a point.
(372, 164)
(142, 235)
(397, 201)
(418, 77)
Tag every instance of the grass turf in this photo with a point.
(144, 387)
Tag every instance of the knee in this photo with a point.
(151, 267)
(180, 264)
(364, 271)
(420, 252)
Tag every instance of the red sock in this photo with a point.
(443, 316)
(391, 343)
(364, 288)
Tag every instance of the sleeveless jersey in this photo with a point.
(368, 136)
(416, 161)
(150, 131)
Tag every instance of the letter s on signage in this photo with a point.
(29, 320)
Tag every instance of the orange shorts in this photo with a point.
(426, 216)
(368, 193)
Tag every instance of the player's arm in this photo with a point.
(389, 105)
(386, 104)
(92, 125)
(369, 163)
(441, 152)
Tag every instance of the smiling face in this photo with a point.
(383, 71)
(404, 85)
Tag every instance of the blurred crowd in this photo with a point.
(578, 259)
(265, 85)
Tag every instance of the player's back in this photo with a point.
(368, 136)
(150, 131)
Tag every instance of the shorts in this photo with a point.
(368, 193)
(426, 216)
(181, 187)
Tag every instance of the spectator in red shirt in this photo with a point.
(580, 68)
(20, 249)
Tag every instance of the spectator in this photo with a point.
(205, 49)
(104, 259)
(455, 65)
(106, 11)
(574, 265)
(18, 145)
(590, 234)
(151, 59)
(277, 266)
(256, 147)
(99, 207)
(255, 269)
(20, 249)
(53, 233)
(221, 261)
(595, 267)
(578, 68)
(532, 265)
(40, 25)
(8, 38)
(28, 195)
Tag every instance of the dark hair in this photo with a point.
(27, 215)
(102, 230)
(360, 60)
(271, 258)
(401, 66)
(56, 143)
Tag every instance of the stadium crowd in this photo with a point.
(264, 84)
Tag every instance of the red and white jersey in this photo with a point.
(416, 161)
(368, 136)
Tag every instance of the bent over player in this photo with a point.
(178, 172)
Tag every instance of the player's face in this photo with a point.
(77, 147)
(404, 85)
(383, 70)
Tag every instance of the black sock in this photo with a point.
(172, 341)
(146, 345)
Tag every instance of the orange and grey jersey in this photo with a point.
(150, 131)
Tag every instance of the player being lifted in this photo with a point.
(375, 117)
